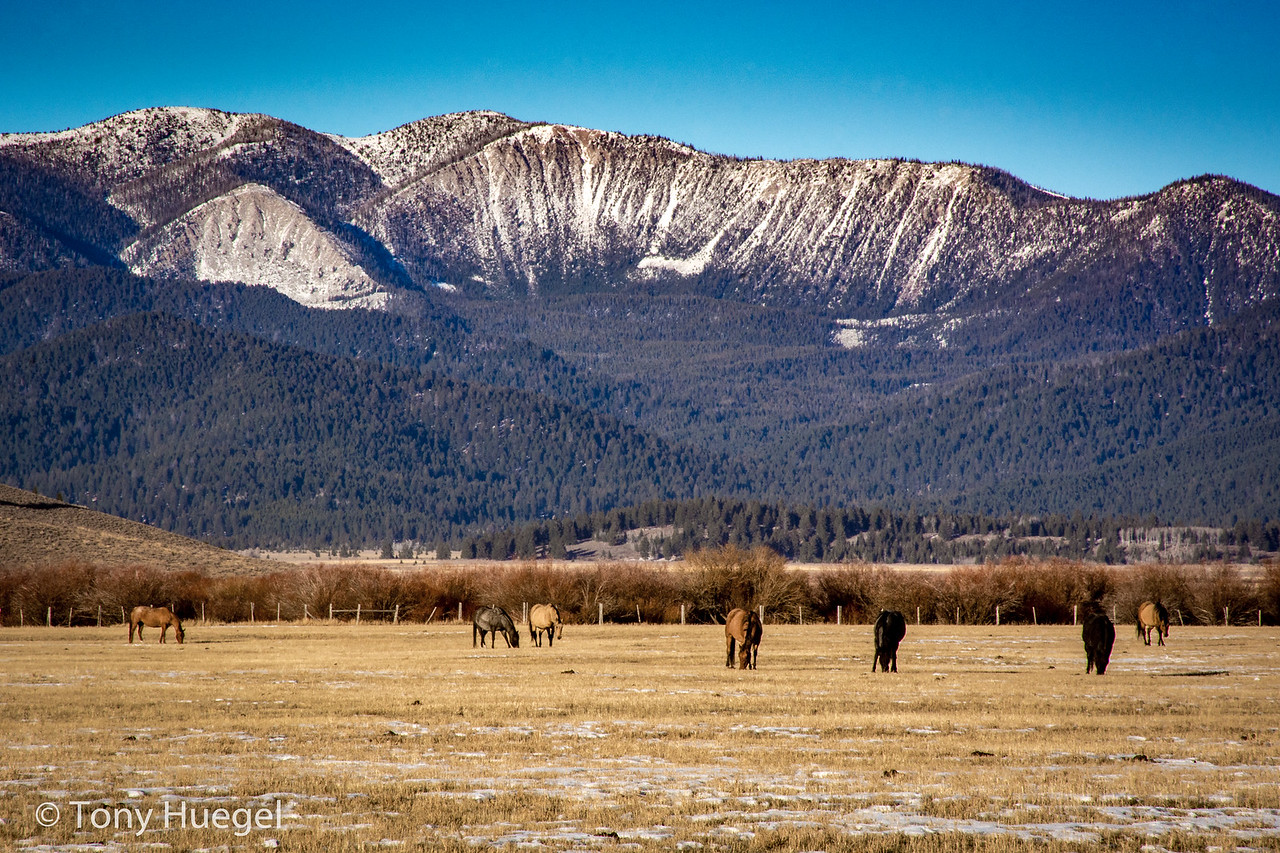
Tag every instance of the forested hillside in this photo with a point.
(526, 320)
(233, 414)
(240, 442)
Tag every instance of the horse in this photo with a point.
(743, 628)
(891, 627)
(155, 617)
(545, 617)
(1099, 636)
(490, 620)
(1153, 615)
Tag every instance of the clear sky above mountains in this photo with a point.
(1087, 99)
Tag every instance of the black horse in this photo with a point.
(1099, 636)
(490, 620)
(891, 627)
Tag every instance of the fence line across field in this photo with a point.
(361, 609)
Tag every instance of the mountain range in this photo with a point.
(833, 331)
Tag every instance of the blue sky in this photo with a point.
(1088, 99)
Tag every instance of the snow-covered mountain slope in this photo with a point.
(552, 204)
(503, 208)
(253, 235)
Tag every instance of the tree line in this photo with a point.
(1011, 591)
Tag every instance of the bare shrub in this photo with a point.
(853, 590)
(972, 594)
(1049, 591)
(1167, 584)
(1269, 592)
(1221, 596)
(728, 577)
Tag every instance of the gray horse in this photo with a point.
(491, 620)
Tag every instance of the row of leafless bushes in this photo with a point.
(705, 587)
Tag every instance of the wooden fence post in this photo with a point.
(357, 613)
(917, 614)
(48, 618)
(997, 615)
(330, 611)
(838, 614)
(99, 615)
(395, 617)
(761, 613)
(600, 607)
(682, 615)
(459, 611)
(277, 611)
(251, 620)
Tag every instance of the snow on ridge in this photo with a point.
(256, 236)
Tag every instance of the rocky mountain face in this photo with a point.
(494, 207)
(833, 332)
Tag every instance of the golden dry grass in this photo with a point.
(637, 737)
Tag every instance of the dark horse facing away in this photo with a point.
(545, 618)
(891, 627)
(743, 628)
(491, 620)
(1099, 636)
(1153, 615)
(155, 617)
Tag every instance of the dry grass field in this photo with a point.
(336, 737)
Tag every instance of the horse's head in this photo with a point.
(178, 632)
(515, 638)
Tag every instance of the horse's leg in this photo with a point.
(1160, 632)
(551, 635)
(893, 661)
(164, 629)
(728, 658)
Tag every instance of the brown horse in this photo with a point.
(545, 618)
(742, 627)
(1153, 615)
(155, 617)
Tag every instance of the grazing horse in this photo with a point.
(743, 628)
(891, 627)
(545, 618)
(155, 617)
(490, 620)
(1099, 636)
(1153, 615)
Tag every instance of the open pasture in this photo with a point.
(637, 737)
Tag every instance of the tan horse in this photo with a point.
(742, 627)
(155, 617)
(545, 618)
(1153, 615)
